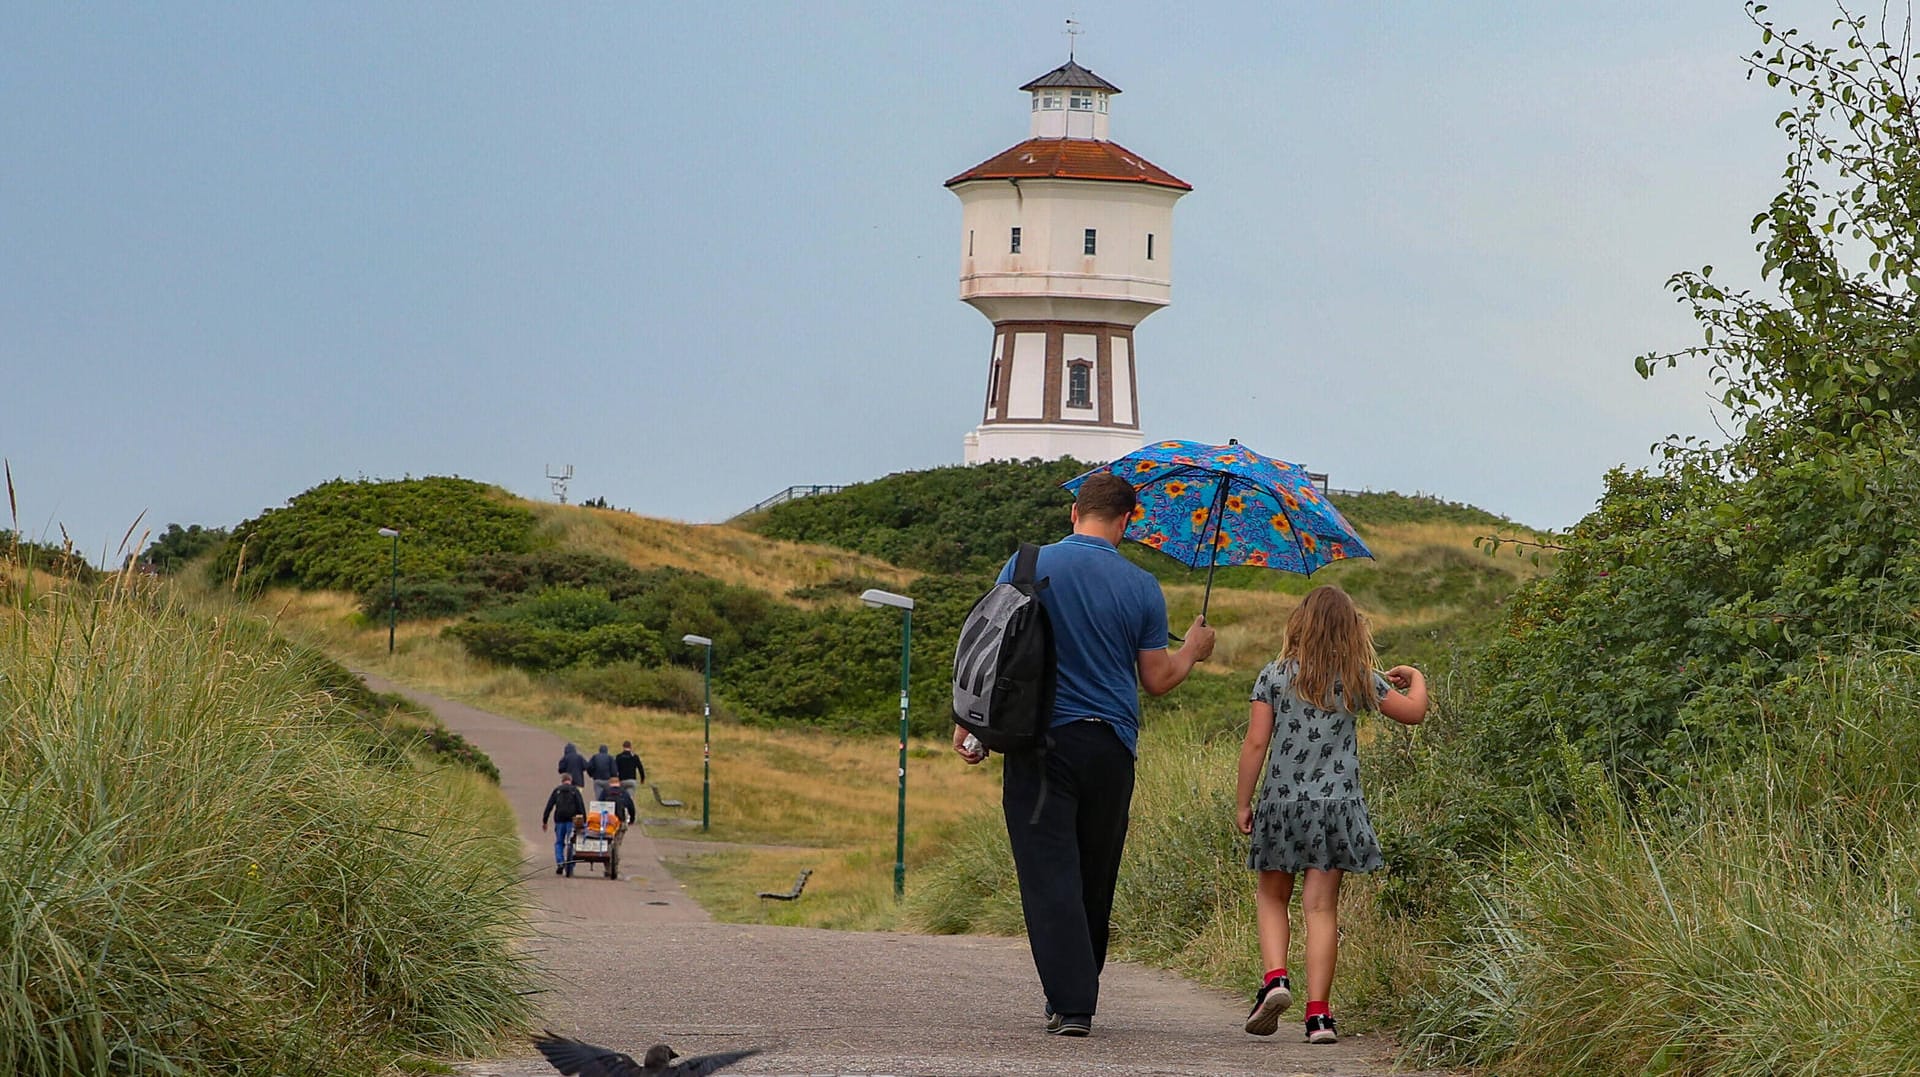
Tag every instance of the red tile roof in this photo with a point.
(1072, 158)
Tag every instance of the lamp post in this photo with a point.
(706, 731)
(878, 598)
(393, 585)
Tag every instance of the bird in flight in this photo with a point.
(572, 1057)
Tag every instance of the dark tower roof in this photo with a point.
(1072, 74)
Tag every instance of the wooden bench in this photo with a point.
(799, 884)
(658, 799)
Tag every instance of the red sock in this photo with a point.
(1318, 1009)
(1275, 974)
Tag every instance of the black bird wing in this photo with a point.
(701, 1065)
(572, 1057)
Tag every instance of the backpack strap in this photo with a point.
(1025, 564)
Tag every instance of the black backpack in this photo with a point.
(1003, 669)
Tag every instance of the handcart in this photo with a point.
(596, 838)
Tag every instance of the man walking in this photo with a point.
(632, 771)
(1066, 806)
(563, 804)
(622, 801)
(574, 765)
(600, 768)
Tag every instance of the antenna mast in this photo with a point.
(559, 480)
(1073, 33)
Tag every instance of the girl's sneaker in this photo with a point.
(1271, 1001)
(1320, 1029)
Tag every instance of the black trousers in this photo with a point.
(1068, 860)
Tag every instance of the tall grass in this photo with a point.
(1762, 925)
(201, 873)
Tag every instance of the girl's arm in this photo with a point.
(1408, 705)
(1253, 755)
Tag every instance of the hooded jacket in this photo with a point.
(572, 762)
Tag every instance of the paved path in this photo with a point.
(633, 961)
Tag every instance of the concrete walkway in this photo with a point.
(633, 961)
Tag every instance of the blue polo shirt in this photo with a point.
(1105, 610)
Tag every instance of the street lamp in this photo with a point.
(706, 730)
(393, 585)
(878, 598)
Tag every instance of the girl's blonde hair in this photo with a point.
(1329, 642)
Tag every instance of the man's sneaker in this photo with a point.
(1320, 1029)
(1069, 1024)
(1268, 1005)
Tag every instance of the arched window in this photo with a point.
(1079, 384)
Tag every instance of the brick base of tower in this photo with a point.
(1058, 388)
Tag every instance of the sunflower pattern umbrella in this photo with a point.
(1228, 505)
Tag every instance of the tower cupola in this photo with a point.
(1070, 102)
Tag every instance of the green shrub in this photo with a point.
(328, 537)
(529, 646)
(634, 684)
(838, 587)
(424, 599)
(506, 575)
(178, 545)
(950, 519)
(54, 560)
(566, 609)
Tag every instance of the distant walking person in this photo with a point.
(632, 770)
(563, 804)
(600, 768)
(622, 801)
(1066, 807)
(1311, 816)
(574, 765)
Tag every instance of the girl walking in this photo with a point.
(1312, 819)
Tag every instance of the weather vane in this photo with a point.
(1073, 31)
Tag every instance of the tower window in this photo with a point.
(970, 244)
(1081, 101)
(1079, 384)
(1036, 101)
(1101, 100)
(1090, 243)
(1149, 245)
(1050, 99)
(1014, 246)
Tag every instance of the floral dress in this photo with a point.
(1310, 813)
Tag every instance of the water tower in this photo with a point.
(1066, 245)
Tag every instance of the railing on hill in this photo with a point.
(789, 494)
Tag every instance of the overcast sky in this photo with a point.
(702, 252)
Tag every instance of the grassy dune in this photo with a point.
(202, 871)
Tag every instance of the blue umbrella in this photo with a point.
(1228, 505)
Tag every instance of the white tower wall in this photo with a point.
(1053, 216)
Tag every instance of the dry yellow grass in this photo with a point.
(727, 553)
